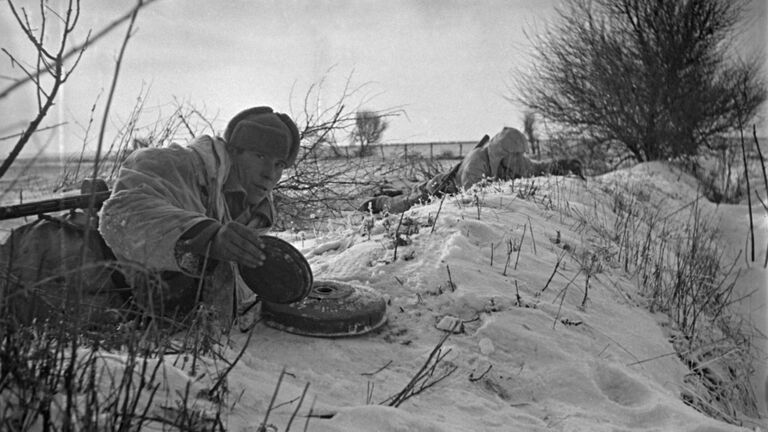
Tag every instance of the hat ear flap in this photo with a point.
(295, 138)
(241, 115)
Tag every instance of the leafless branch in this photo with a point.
(424, 378)
(7, 137)
(75, 50)
(45, 97)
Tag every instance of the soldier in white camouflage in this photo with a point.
(500, 158)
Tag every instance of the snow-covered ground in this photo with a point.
(535, 362)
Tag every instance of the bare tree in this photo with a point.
(657, 77)
(369, 128)
(529, 127)
(48, 71)
(77, 49)
(49, 58)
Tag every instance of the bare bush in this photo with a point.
(678, 261)
(184, 121)
(318, 186)
(657, 78)
(529, 127)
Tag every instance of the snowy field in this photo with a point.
(524, 358)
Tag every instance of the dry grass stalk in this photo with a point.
(369, 392)
(397, 236)
(533, 239)
(472, 378)
(298, 407)
(309, 415)
(425, 377)
(562, 295)
(451, 285)
(263, 426)
(749, 196)
(554, 271)
(439, 207)
(492, 247)
(520, 247)
(511, 245)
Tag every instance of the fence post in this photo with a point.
(461, 150)
(431, 152)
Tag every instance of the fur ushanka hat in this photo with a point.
(262, 125)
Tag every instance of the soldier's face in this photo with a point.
(259, 169)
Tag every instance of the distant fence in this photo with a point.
(429, 150)
(547, 148)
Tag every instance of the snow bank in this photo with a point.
(534, 362)
(531, 353)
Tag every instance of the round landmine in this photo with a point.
(285, 276)
(332, 309)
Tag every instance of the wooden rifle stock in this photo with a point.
(82, 201)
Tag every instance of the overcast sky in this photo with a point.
(448, 64)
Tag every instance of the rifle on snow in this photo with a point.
(95, 190)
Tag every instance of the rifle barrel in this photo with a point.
(53, 205)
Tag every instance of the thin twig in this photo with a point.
(564, 291)
(78, 49)
(272, 401)
(760, 154)
(439, 207)
(652, 358)
(377, 370)
(520, 248)
(492, 253)
(765, 206)
(284, 403)
(422, 376)
(99, 145)
(533, 239)
(397, 236)
(309, 415)
(451, 285)
(510, 249)
(7, 137)
(603, 350)
(369, 387)
(554, 271)
(473, 379)
(223, 376)
(586, 290)
(749, 194)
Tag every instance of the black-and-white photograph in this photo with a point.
(369, 215)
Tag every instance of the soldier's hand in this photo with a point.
(236, 242)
